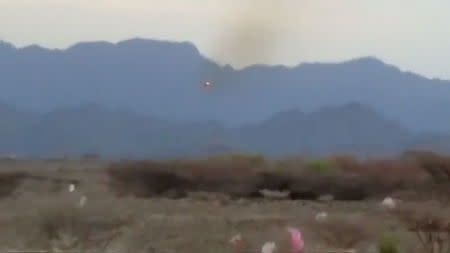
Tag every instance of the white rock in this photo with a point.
(321, 216)
(83, 201)
(389, 203)
(268, 247)
(326, 198)
(71, 188)
(274, 194)
(235, 240)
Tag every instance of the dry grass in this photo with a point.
(202, 218)
(430, 226)
(438, 166)
(342, 233)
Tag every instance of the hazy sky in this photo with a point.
(412, 34)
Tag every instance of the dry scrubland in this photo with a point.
(197, 206)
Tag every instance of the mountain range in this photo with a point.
(146, 98)
(94, 129)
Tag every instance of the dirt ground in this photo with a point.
(42, 214)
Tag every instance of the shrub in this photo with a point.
(387, 244)
(237, 177)
(241, 160)
(438, 166)
(144, 179)
(347, 164)
(387, 173)
(320, 167)
(148, 178)
(10, 181)
(242, 175)
(65, 227)
(289, 165)
(342, 233)
(431, 229)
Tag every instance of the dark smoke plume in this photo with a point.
(250, 39)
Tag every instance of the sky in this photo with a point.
(411, 34)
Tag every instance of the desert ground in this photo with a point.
(41, 212)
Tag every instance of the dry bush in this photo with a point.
(383, 176)
(51, 222)
(398, 172)
(65, 227)
(344, 177)
(438, 166)
(278, 181)
(342, 233)
(144, 178)
(139, 239)
(394, 172)
(432, 228)
(239, 160)
(237, 178)
(347, 164)
(340, 188)
(281, 174)
(293, 165)
(148, 178)
(10, 181)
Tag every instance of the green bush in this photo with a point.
(320, 166)
(388, 244)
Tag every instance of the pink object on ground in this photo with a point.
(297, 242)
(236, 241)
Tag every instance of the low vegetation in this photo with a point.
(342, 234)
(388, 244)
(343, 177)
(9, 181)
(431, 226)
(197, 205)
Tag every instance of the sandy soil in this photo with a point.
(199, 223)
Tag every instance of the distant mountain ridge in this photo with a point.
(164, 79)
(350, 129)
(343, 129)
(146, 98)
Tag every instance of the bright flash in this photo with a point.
(208, 84)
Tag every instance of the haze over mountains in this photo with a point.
(352, 128)
(146, 98)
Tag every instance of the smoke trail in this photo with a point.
(251, 38)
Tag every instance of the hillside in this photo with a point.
(164, 79)
(352, 128)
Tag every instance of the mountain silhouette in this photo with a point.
(147, 98)
(165, 79)
(349, 128)
(114, 133)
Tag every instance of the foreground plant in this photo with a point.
(431, 230)
(338, 233)
(387, 244)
